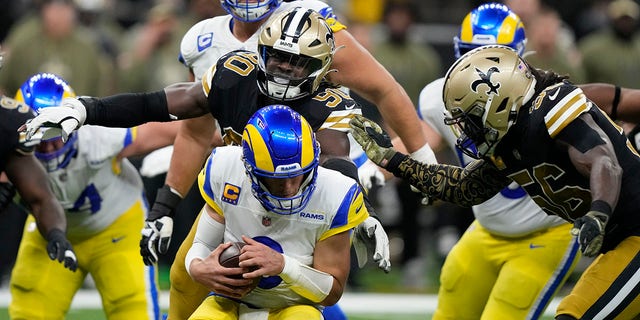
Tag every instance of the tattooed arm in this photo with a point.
(468, 186)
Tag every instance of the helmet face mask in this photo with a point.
(490, 23)
(295, 51)
(47, 90)
(281, 157)
(483, 93)
(249, 10)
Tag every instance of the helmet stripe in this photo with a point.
(260, 150)
(294, 25)
(308, 147)
(466, 29)
(508, 29)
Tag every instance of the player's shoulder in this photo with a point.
(202, 36)
(14, 114)
(558, 105)
(330, 108)
(225, 159)
(230, 69)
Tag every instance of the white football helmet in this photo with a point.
(249, 11)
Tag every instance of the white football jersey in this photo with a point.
(210, 39)
(336, 205)
(94, 189)
(509, 213)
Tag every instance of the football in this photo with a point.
(230, 257)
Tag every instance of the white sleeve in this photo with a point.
(209, 234)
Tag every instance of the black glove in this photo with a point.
(590, 231)
(60, 249)
(7, 192)
(156, 234)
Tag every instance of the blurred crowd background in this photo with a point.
(103, 47)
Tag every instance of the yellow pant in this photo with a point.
(43, 289)
(220, 308)
(185, 295)
(490, 277)
(608, 289)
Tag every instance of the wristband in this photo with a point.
(601, 206)
(425, 155)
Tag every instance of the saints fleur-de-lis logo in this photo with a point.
(485, 78)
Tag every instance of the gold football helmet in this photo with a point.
(483, 92)
(295, 50)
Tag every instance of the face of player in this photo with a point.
(288, 66)
(50, 146)
(284, 188)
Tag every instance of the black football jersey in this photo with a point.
(233, 96)
(529, 155)
(13, 114)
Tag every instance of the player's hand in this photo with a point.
(370, 234)
(370, 175)
(59, 248)
(590, 232)
(158, 228)
(62, 120)
(7, 192)
(374, 141)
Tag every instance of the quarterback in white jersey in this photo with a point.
(294, 215)
(103, 199)
(512, 246)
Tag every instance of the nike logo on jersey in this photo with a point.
(535, 246)
(554, 95)
(117, 239)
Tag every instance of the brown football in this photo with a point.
(230, 257)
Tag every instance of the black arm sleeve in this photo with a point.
(127, 109)
(350, 170)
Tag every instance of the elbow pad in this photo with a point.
(306, 281)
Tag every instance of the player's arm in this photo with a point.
(361, 72)
(178, 101)
(619, 103)
(32, 183)
(190, 149)
(471, 185)
(591, 152)
(332, 256)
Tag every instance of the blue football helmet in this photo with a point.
(279, 143)
(490, 23)
(46, 90)
(247, 11)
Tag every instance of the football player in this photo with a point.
(512, 246)
(533, 127)
(295, 53)
(102, 195)
(210, 39)
(294, 215)
(27, 176)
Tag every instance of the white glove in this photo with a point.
(370, 175)
(371, 234)
(424, 155)
(62, 120)
(155, 234)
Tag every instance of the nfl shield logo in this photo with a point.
(266, 221)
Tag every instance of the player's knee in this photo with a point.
(451, 273)
(180, 279)
(523, 298)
